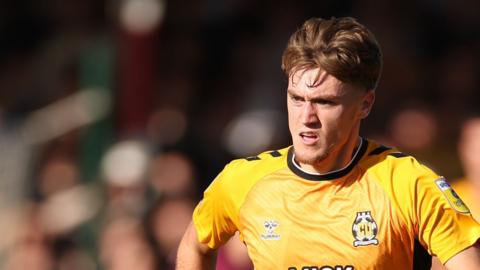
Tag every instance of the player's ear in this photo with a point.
(367, 103)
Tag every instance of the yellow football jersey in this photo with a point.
(367, 215)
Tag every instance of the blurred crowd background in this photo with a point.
(115, 115)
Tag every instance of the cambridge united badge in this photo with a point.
(364, 230)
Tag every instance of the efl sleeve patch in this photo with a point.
(452, 197)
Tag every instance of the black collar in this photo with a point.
(330, 175)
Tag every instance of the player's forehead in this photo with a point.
(314, 82)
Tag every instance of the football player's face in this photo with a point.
(323, 115)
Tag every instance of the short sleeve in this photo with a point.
(442, 221)
(214, 217)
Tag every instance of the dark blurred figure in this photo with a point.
(69, 255)
(167, 220)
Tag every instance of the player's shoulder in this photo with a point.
(390, 161)
(260, 164)
(401, 175)
(241, 174)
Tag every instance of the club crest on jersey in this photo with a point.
(452, 197)
(270, 234)
(364, 230)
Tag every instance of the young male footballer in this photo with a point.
(333, 200)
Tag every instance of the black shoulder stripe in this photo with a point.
(398, 155)
(252, 158)
(379, 150)
(275, 154)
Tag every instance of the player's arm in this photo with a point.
(468, 259)
(193, 255)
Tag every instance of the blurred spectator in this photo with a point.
(124, 170)
(413, 129)
(69, 256)
(30, 249)
(166, 223)
(37, 248)
(172, 174)
(166, 126)
(468, 187)
(57, 174)
(123, 245)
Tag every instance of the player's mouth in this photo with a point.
(309, 138)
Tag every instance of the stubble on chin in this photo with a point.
(310, 158)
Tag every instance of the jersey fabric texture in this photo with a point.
(365, 216)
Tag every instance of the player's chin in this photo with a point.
(309, 156)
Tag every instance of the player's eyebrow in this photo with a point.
(292, 93)
(325, 97)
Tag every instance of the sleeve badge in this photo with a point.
(452, 197)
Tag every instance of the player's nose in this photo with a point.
(309, 114)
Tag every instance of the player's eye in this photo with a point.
(296, 98)
(323, 102)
